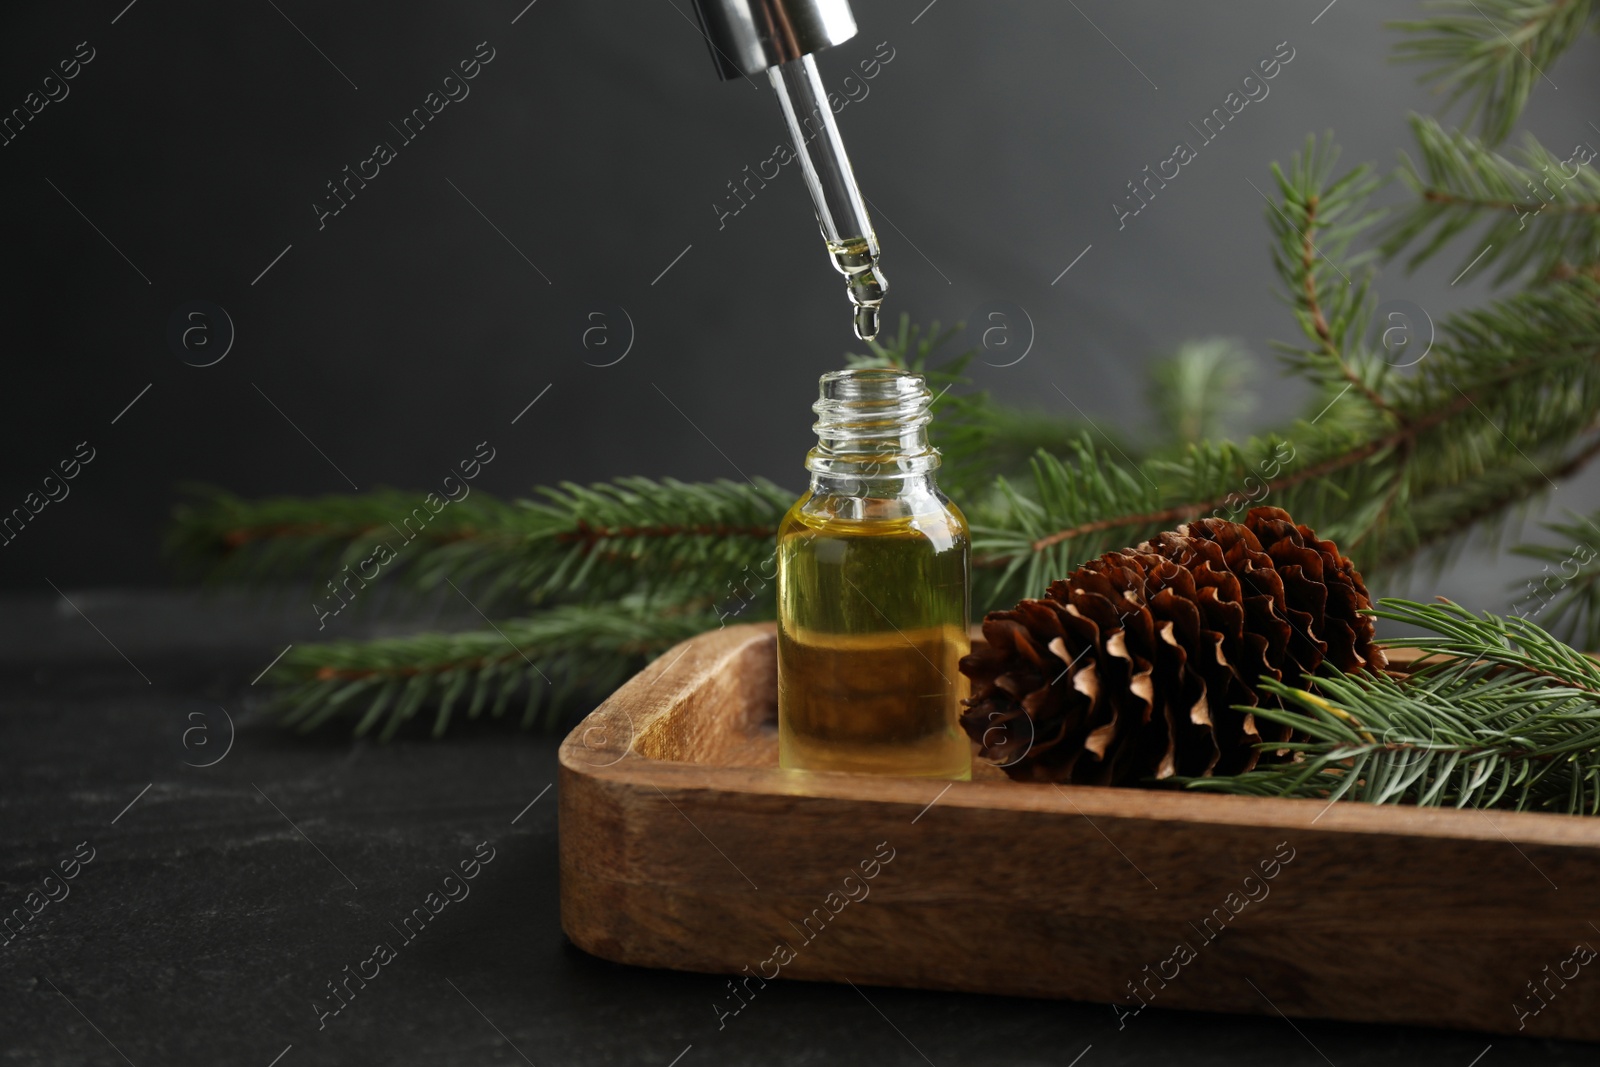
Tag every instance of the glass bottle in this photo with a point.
(873, 596)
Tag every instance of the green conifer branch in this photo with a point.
(1493, 53)
(674, 540)
(1509, 716)
(539, 663)
(1314, 223)
(1537, 209)
(1394, 458)
(1198, 391)
(1565, 594)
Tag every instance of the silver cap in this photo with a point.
(748, 37)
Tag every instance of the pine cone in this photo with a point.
(1132, 667)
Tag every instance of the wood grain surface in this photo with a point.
(683, 845)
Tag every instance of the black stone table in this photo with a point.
(222, 901)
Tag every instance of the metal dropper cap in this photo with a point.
(749, 37)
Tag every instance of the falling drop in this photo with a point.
(857, 260)
(866, 322)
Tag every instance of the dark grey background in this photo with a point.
(409, 329)
(597, 141)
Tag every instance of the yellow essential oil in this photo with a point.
(873, 598)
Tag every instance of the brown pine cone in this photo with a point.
(1132, 667)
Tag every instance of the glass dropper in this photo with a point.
(778, 37)
(841, 210)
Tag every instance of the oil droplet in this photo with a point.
(857, 260)
(866, 323)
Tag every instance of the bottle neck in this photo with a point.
(897, 487)
(872, 435)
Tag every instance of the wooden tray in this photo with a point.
(683, 845)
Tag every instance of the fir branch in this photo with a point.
(1199, 390)
(1314, 225)
(673, 539)
(1505, 641)
(1541, 211)
(1511, 718)
(1452, 419)
(1441, 519)
(1501, 405)
(1568, 597)
(1493, 52)
(543, 662)
(1018, 548)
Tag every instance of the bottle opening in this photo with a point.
(872, 422)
